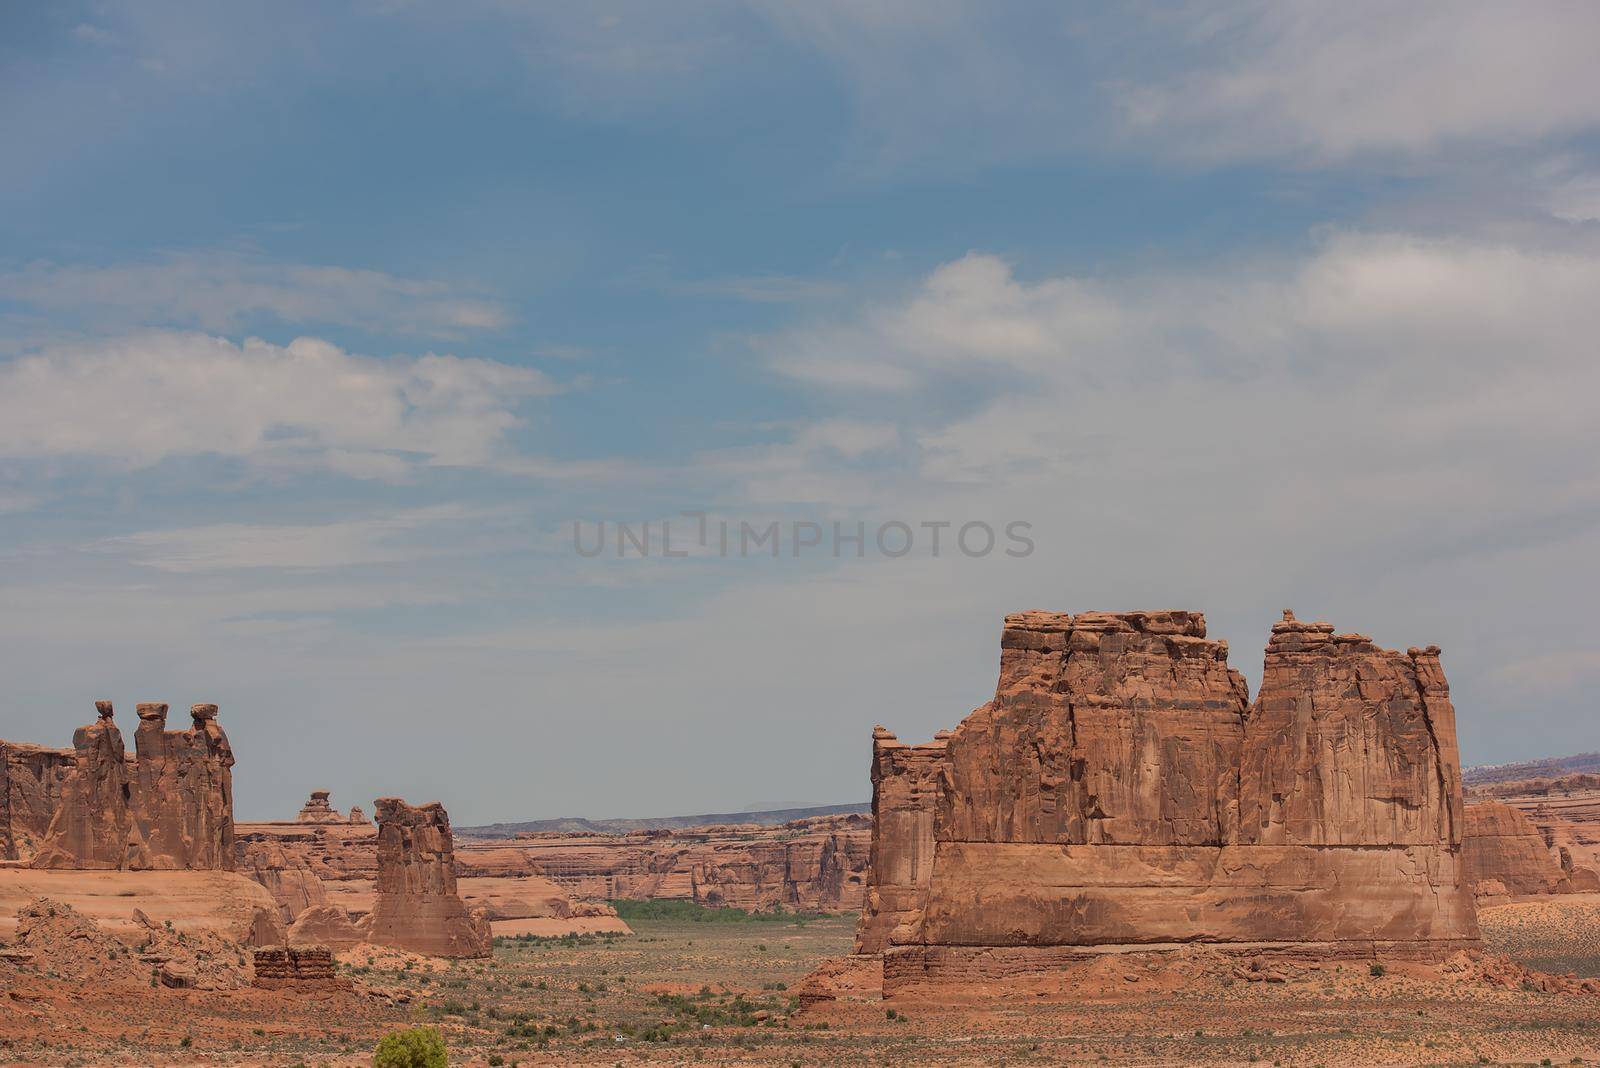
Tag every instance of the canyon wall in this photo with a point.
(817, 864)
(1121, 790)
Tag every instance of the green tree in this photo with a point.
(416, 1047)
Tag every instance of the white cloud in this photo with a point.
(1358, 302)
(1331, 82)
(145, 398)
(219, 290)
(386, 539)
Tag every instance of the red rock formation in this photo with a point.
(185, 781)
(297, 968)
(1503, 853)
(907, 782)
(94, 825)
(327, 925)
(318, 810)
(417, 906)
(357, 816)
(34, 778)
(1119, 790)
(169, 807)
(813, 864)
(8, 842)
(287, 877)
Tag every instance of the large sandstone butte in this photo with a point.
(1122, 792)
(417, 907)
(170, 806)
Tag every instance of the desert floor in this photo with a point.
(685, 992)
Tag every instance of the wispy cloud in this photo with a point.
(411, 534)
(1328, 83)
(221, 290)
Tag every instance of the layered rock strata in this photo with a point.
(417, 906)
(817, 864)
(1121, 791)
(297, 967)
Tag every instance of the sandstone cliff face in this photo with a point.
(1504, 853)
(417, 906)
(169, 807)
(288, 878)
(1120, 790)
(8, 842)
(34, 779)
(1349, 744)
(185, 787)
(94, 825)
(907, 782)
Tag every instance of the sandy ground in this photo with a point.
(219, 901)
(685, 993)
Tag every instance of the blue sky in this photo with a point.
(320, 326)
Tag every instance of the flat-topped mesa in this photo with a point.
(417, 906)
(1121, 790)
(318, 809)
(170, 806)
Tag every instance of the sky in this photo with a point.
(330, 336)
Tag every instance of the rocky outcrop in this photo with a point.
(328, 925)
(185, 789)
(93, 807)
(907, 782)
(357, 816)
(34, 777)
(287, 877)
(317, 809)
(297, 968)
(94, 825)
(1503, 853)
(417, 906)
(8, 842)
(1120, 790)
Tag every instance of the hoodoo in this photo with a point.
(1121, 792)
(417, 906)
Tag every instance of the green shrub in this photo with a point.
(1376, 971)
(416, 1047)
(676, 911)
